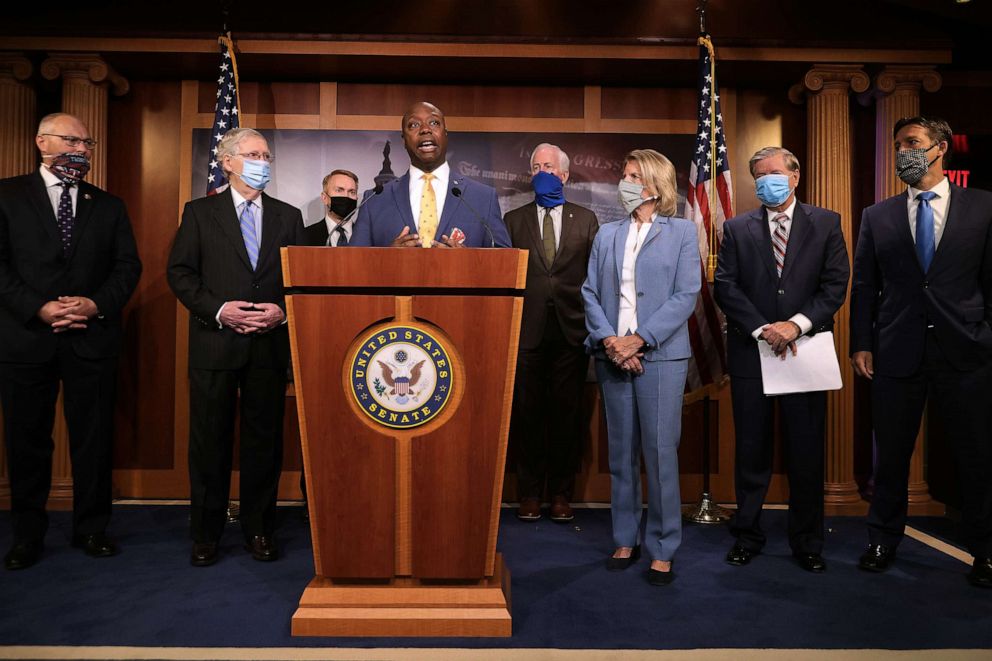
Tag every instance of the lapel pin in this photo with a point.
(87, 196)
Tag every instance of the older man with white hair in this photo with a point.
(551, 366)
(225, 268)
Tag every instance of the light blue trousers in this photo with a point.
(644, 415)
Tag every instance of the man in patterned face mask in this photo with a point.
(68, 265)
(921, 307)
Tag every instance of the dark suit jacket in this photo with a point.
(559, 282)
(893, 300)
(750, 293)
(102, 265)
(209, 265)
(382, 217)
(316, 234)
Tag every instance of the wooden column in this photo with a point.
(17, 124)
(826, 89)
(897, 95)
(86, 80)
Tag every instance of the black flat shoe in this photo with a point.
(981, 573)
(658, 577)
(22, 555)
(739, 556)
(204, 554)
(812, 562)
(619, 564)
(876, 558)
(97, 545)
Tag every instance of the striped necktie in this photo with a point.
(248, 232)
(428, 213)
(780, 241)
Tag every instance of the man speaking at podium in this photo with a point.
(428, 206)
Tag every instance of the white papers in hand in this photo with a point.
(814, 367)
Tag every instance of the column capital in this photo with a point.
(895, 76)
(94, 67)
(16, 65)
(830, 77)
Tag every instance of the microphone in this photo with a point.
(457, 192)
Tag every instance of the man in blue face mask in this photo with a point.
(782, 272)
(921, 309)
(551, 367)
(226, 269)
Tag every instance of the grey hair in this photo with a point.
(791, 162)
(563, 161)
(228, 145)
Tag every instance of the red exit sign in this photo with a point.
(958, 177)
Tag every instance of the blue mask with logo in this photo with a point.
(548, 190)
(772, 189)
(256, 174)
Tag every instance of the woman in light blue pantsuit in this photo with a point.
(644, 275)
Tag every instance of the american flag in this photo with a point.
(226, 111)
(708, 204)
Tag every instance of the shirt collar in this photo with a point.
(49, 176)
(788, 211)
(943, 190)
(333, 224)
(441, 174)
(239, 199)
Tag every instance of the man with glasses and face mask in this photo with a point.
(921, 308)
(225, 267)
(68, 265)
(339, 194)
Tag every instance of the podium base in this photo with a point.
(406, 607)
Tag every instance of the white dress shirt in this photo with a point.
(801, 320)
(239, 199)
(440, 185)
(627, 322)
(54, 187)
(332, 229)
(555, 222)
(939, 204)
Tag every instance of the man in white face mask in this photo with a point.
(226, 269)
(68, 265)
(921, 308)
(782, 273)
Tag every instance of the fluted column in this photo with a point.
(86, 81)
(826, 89)
(17, 120)
(897, 95)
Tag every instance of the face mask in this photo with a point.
(70, 167)
(342, 205)
(548, 190)
(773, 189)
(256, 174)
(912, 164)
(629, 195)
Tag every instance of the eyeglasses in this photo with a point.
(74, 140)
(258, 156)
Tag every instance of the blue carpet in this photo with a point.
(562, 595)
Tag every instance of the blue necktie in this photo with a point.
(925, 242)
(248, 232)
(65, 217)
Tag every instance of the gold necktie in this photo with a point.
(428, 213)
(549, 237)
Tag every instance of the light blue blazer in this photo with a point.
(667, 276)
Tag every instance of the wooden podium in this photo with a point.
(404, 363)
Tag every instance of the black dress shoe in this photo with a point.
(877, 558)
(658, 577)
(204, 554)
(22, 555)
(739, 556)
(980, 575)
(262, 547)
(97, 545)
(619, 564)
(813, 562)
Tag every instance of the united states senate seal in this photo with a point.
(401, 376)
